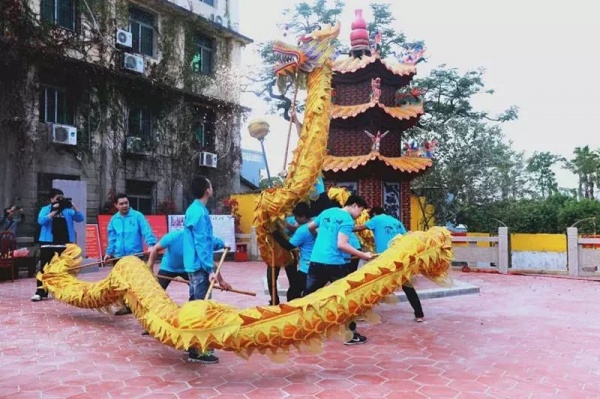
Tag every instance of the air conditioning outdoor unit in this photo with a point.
(218, 19)
(134, 145)
(208, 159)
(63, 134)
(133, 63)
(124, 38)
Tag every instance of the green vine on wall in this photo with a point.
(103, 92)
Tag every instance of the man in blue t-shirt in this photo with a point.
(126, 233)
(328, 262)
(198, 253)
(171, 265)
(384, 228)
(304, 240)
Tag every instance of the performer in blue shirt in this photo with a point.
(198, 253)
(126, 232)
(328, 262)
(384, 228)
(171, 264)
(304, 240)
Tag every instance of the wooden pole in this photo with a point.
(212, 283)
(184, 281)
(110, 260)
(287, 144)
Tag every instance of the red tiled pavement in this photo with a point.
(521, 337)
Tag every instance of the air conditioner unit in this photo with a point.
(63, 134)
(217, 19)
(208, 159)
(123, 38)
(133, 63)
(134, 145)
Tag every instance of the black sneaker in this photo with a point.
(123, 311)
(357, 339)
(205, 358)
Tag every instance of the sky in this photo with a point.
(542, 56)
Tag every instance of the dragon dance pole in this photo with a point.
(262, 145)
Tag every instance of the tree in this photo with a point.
(275, 181)
(448, 95)
(466, 169)
(473, 164)
(540, 166)
(586, 165)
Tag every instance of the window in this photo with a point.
(141, 123)
(141, 195)
(56, 106)
(59, 12)
(141, 26)
(203, 58)
(209, 2)
(204, 127)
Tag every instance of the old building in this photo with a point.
(134, 96)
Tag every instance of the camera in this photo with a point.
(65, 203)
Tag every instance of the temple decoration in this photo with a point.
(408, 96)
(359, 37)
(429, 147)
(413, 55)
(376, 139)
(375, 90)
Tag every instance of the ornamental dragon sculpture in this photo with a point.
(270, 330)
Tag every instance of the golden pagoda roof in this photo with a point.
(353, 64)
(403, 112)
(403, 164)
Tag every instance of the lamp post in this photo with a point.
(259, 128)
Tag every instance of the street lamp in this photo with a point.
(259, 128)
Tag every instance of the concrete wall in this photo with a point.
(539, 251)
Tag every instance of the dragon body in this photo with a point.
(310, 62)
(271, 330)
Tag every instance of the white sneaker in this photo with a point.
(36, 298)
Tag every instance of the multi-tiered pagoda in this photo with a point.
(373, 105)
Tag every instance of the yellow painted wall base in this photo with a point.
(539, 242)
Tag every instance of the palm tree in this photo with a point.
(586, 165)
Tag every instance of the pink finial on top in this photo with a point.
(359, 37)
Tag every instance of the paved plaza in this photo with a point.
(519, 337)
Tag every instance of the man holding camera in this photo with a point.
(57, 229)
(13, 215)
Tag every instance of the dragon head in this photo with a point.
(313, 50)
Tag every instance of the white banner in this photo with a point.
(223, 227)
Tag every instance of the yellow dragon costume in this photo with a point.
(271, 330)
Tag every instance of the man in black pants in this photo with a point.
(384, 228)
(304, 240)
(57, 229)
(327, 261)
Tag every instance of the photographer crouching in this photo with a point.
(57, 229)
